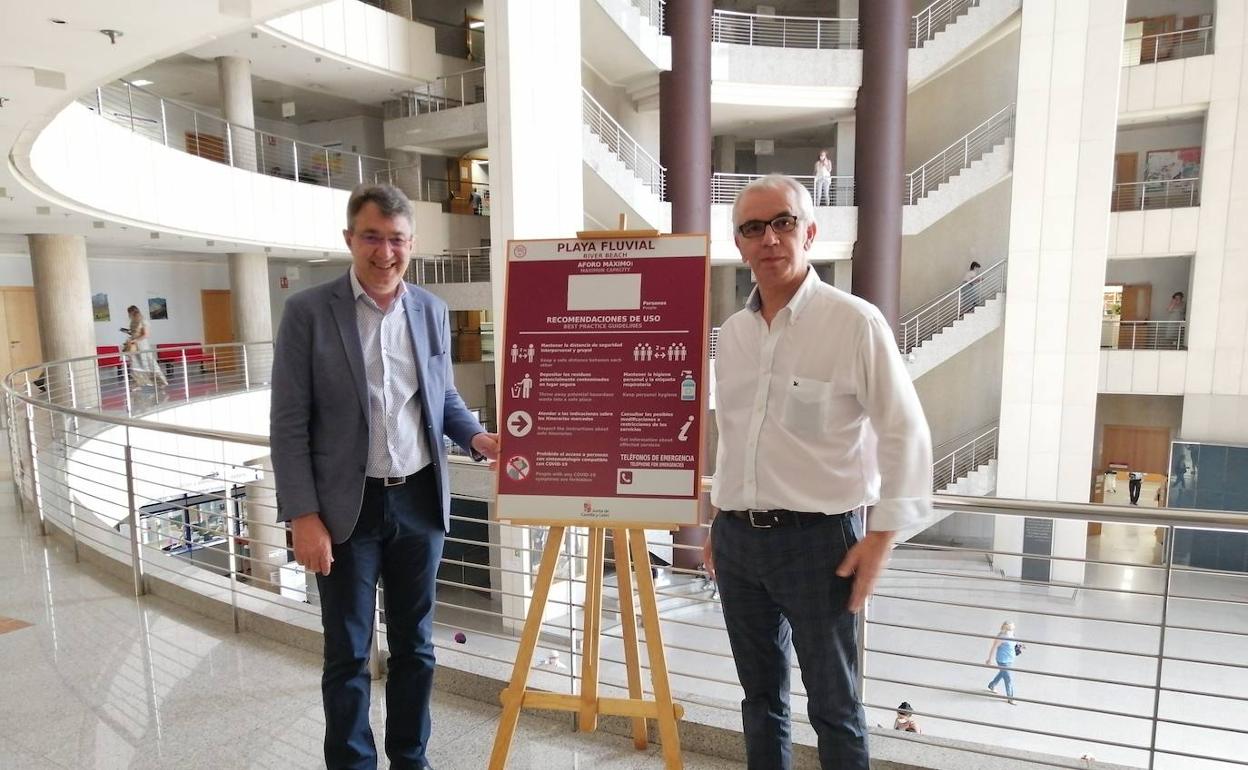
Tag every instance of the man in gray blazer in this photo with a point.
(363, 393)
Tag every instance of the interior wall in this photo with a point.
(360, 134)
(1145, 8)
(1138, 411)
(934, 261)
(945, 108)
(964, 394)
(642, 125)
(1165, 274)
(1170, 136)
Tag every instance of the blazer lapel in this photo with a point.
(417, 325)
(343, 307)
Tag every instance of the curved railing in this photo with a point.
(783, 31)
(957, 157)
(458, 89)
(839, 192)
(623, 145)
(207, 136)
(191, 509)
(1156, 194)
(921, 324)
(968, 455)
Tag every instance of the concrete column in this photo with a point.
(407, 175)
(266, 537)
(399, 8)
(685, 116)
(1066, 130)
(880, 162)
(253, 317)
(237, 107)
(723, 293)
(534, 126)
(725, 154)
(66, 326)
(846, 145)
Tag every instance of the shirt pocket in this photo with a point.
(807, 402)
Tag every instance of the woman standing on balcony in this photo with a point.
(144, 367)
(823, 179)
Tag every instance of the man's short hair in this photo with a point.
(805, 204)
(389, 200)
(1178, 294)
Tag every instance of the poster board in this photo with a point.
(603, 392)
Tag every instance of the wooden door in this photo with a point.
(1136, 300)
(218, 324)
(1138, 448)
(22, 346)
(1154, 49)
(1126, 168)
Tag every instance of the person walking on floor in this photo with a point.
(1004, 651)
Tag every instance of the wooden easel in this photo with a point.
(632, 558)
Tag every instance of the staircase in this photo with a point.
(946, 30)
(969, 469)
(619, 174)
(953, 321)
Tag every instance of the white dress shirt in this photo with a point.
(396, 436)
(817, 412)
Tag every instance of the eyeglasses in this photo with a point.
(785, 223)
(397, 242)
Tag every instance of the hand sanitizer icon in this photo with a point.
(688, 388)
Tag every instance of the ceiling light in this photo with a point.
(141, 82)
(317, 261)
(476, 24)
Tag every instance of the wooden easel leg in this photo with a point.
(587, 719)
(628, 623)
(668, 732)
(513, 697)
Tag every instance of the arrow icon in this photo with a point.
(519, 424)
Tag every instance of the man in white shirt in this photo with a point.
(817, 418)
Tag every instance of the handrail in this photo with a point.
(436, 190)
(920, 325)
(471, 265)
(973, 145)
(964, 459)
(457, 89)
(1143, 335)
(623, 145)
(1167, 46)
(654, 11)
(839, 191)
(933, 19)
(198, 133)
(1156, 194)
(783, 31)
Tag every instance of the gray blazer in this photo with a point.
(318, 420)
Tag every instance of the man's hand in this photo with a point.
(486, 444)
(865, 561)
(708, 556)
(313, 547)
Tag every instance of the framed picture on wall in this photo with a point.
(1164, 165)
(157, 308)
(99, 307)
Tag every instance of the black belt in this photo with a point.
(778, 517)
(393, 481)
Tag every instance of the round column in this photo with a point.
(253, 319)
(63, 306)
(266, 538)
(237, 107)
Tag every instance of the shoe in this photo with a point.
(1011, 702)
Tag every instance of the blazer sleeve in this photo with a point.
(457, 422)
(290, 415)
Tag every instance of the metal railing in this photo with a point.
(1167, 46)
(920, 325)
(933, 19)
(783, 31)
(1143, 335)
(1120, 651)
(965, 458)
(454, 266)
(447, 92)
(456, 195)
(623, 146)
(189, 130)
(653, 11)
(975, 144)
(1157, 194)
(839, 190)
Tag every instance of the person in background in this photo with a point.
(823, 179)
(1176, 313)
(969, 294)
(144, 368)
(905, 719)
(1002, 655)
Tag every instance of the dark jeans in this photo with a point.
(398, 538)
(779, 586)
(1133, 488)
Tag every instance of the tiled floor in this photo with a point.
(101, 679)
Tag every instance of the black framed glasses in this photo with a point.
(785, 223)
